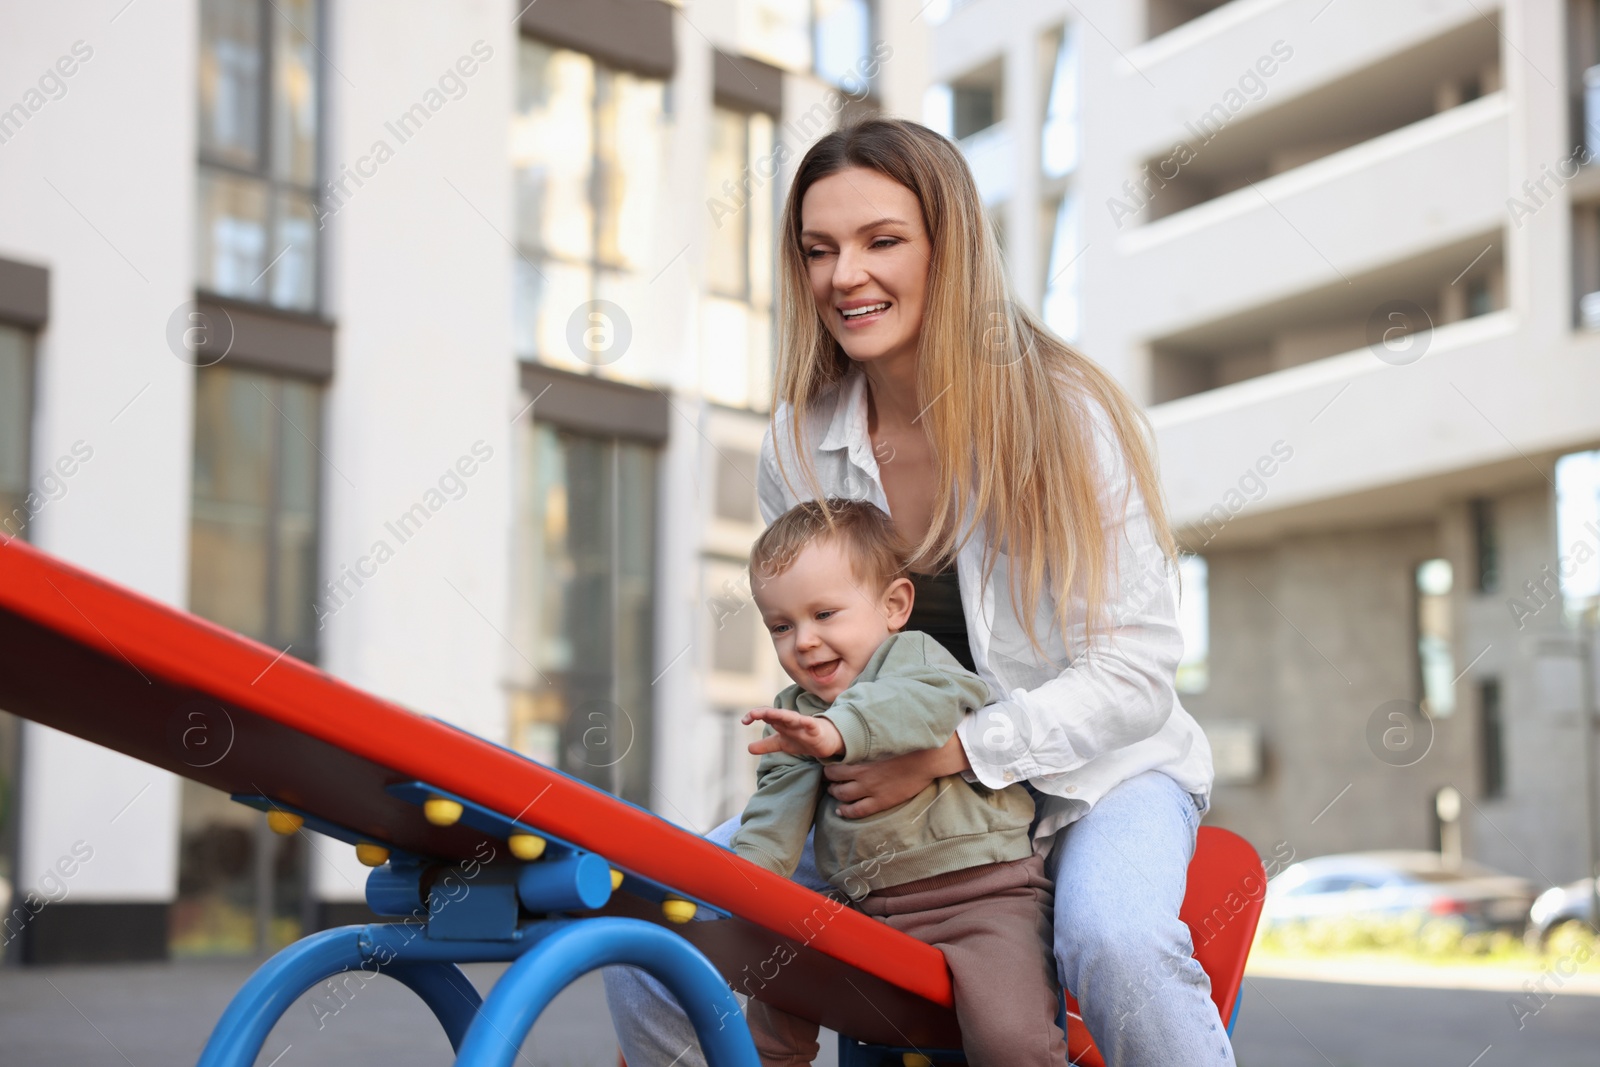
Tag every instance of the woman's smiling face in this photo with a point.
(867, 254)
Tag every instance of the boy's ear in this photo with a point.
(896, 603)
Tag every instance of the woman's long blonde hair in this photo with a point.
(1026, 466)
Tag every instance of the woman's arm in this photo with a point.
(865, 788)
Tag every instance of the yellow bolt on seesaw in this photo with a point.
(678, 910)
(442, 811)
(526, 846)
(284, 823)
(371, 855)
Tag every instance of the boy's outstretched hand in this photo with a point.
(794, 733)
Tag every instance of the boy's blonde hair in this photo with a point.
(877, 553)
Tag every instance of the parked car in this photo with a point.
(1394, 883)
(1572, 903)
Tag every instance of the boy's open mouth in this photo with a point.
(824, 672)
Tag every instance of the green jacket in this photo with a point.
(909, 697)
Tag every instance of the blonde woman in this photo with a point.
(1018, 468)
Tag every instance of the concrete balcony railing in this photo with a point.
(1193, 65)
(1349, 423)
(1380, 202)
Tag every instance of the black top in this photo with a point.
(936, 611)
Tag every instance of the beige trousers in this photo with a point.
(993, 925)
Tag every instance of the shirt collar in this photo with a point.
(849, 426)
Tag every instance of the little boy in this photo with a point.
(952, 866)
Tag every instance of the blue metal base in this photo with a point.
(548, 957)
(482, 912)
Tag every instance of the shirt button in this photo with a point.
(1010, 777)
(1072, 789)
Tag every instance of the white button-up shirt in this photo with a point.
(1075, 723)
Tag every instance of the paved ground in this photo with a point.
(149, 1015)
(1290, 1023)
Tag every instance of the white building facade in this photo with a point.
(1340, 251)
(429, 343)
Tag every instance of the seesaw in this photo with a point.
(485, 855)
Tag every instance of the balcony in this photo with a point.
(1198, 63)
(1382, 308)
(1244, 139)
(1414, 191)
(1163, 15)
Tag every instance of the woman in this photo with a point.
(907, 376)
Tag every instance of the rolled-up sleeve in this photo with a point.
(1109, 696)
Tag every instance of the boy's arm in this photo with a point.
(772, 831)
(919, 695)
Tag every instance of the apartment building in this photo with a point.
(1341, 251)
(428, 343)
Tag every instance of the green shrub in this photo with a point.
(1420, 937)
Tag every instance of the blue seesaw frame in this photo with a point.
(484, 925)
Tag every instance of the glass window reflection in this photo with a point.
(259, 99)
(588, 147)
(230, 82)
(1062, 304)
(254, 507)
(16, 425)
(843, 31)
(585, 569)
(1059, 150)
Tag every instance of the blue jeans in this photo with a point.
(1121, 949)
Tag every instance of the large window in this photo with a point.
(253, 562)
(584, 673)
(738, 326)
(1577, 520)
(1058, 150)
(252, 568)
(259, 94)
(16, 422)
(842, 32)
(777, 31)
(1435, 645)
(1491, 740)
(1062, 304)
(1485, 544)
(1194, 620)
(587, 152)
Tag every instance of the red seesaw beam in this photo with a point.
(94, 659)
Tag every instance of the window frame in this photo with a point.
(604, 69)
(263, 174)
(744, 216)
(532, 587)
(30, 400)
(275, 629)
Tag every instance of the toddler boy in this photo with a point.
(953, 866)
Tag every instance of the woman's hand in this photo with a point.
(866, 788)
(794, 733)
